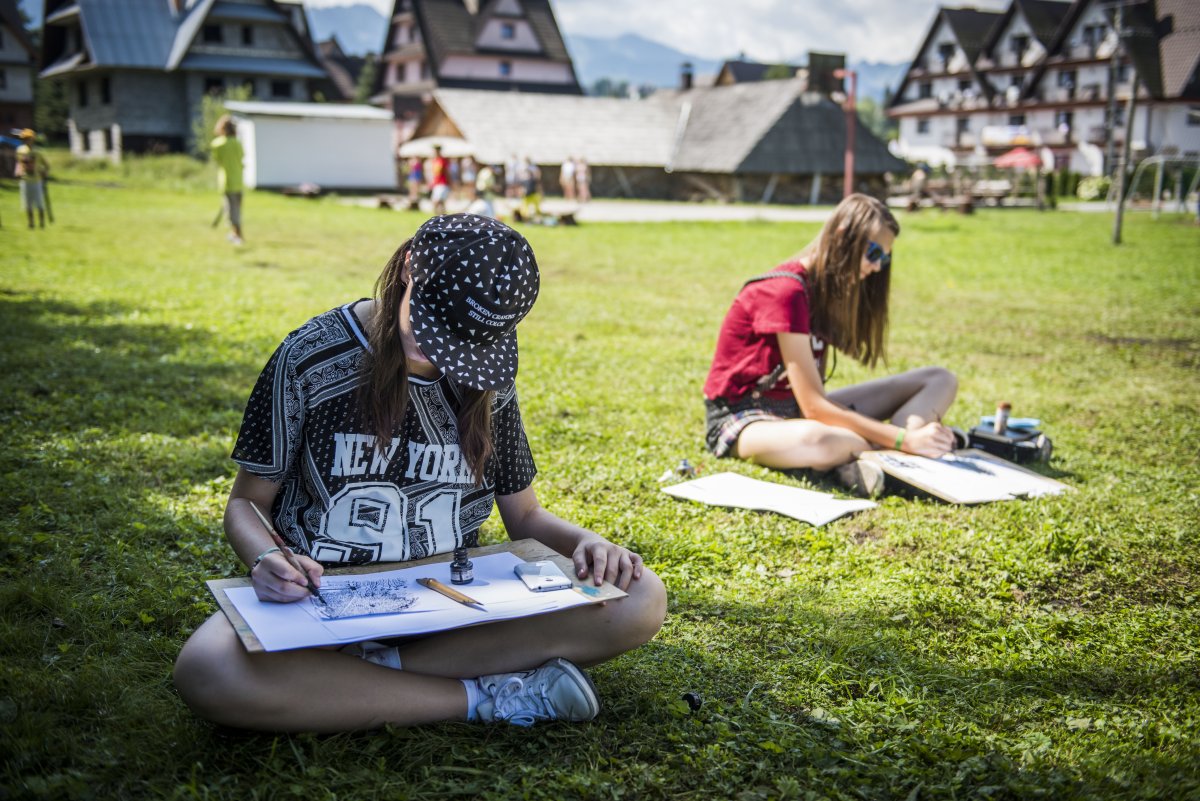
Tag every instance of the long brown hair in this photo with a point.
(850, 313)
(383, 393)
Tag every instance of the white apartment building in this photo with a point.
(1042, 74)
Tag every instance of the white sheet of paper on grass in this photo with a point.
(742, 492)
(280, 627)
(967, 478)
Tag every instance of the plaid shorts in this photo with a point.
(725, 421)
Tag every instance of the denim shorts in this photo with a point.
(724, 421)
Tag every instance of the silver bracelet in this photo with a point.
(263, 555)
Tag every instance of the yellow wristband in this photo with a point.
(900, 439)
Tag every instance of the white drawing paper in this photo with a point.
(966, 478)
(731, 489)
(281, 627)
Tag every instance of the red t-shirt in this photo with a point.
(438, 172)
(747, 346)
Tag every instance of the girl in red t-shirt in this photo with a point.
(765, 394)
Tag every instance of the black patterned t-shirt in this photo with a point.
(344, 495)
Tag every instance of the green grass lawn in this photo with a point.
(1032, 649)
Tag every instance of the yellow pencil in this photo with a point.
(449, 592)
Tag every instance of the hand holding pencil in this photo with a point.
(289, 556)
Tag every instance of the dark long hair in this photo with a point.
(848, 312)
(383, 393)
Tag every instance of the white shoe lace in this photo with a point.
(517, 706)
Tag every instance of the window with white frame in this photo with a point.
(923, 125)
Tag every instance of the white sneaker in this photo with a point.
(863, 477)
(555, 691)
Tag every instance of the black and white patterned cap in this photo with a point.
(473, 280)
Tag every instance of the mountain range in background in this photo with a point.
(630, 58)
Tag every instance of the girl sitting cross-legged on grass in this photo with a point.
(765, 395)
(429, 363)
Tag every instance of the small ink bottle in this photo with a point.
(1002, 413)
(461, 569)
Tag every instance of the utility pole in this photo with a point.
(851, 126)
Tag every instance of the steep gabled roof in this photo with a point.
(448, 27)
(127, 33)
(10, 16)
(781, 129)
(1163, 41)
(762, 127)
(145, 34)
(979, 26)
(1045, 17)
(971, 28)
(551, 128)
(749, 71)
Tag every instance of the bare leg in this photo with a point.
(586, 635)
(321, 690)
(306, 690)
(909, 399)
(787, 444)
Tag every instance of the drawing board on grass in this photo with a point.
(966, 476)
(743, 492)
(384, 600)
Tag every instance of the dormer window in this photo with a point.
(1019, 44)
(212, 34)
(508, 31)
(945, 53)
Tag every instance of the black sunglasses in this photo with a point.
(875, 253)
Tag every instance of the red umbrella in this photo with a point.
(1019, 157)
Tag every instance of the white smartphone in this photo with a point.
(542, 576)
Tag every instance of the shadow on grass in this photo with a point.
(74, 367)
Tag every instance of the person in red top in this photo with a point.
(765, 395)
(439, 181)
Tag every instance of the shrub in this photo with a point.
(1093, 187)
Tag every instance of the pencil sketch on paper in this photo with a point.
(360, 598)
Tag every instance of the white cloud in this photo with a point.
(765, 30)
(384, 7)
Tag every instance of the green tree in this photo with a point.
(872, 114)
(212, 107)
(778, 72)
(50, 108)
(366, 80)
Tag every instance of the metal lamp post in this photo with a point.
(851, 124)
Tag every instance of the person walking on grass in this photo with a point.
(32, 170)
(227, 155)
(427, 394)
(765, 396)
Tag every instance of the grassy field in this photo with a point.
(1032, 649)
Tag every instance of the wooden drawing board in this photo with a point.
(883, 458)
(527, 549)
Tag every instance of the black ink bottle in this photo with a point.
(461, 569)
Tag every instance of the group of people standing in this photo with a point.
(520, 179)
(427, 366)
